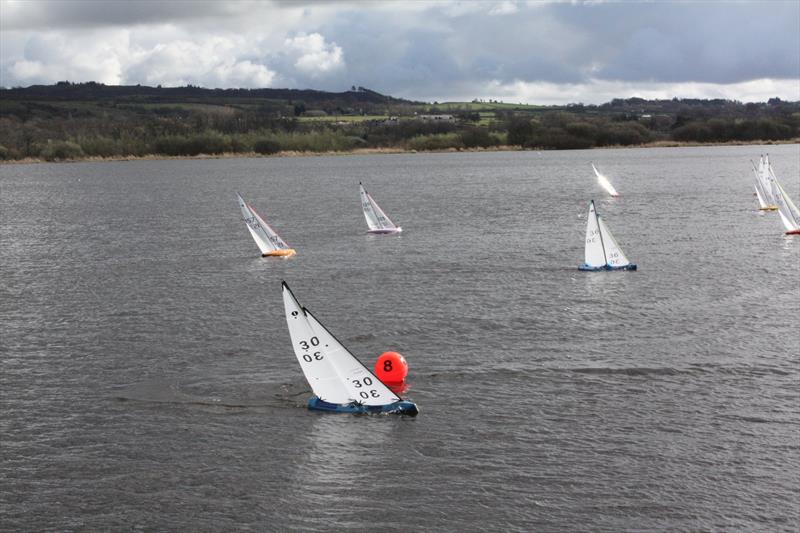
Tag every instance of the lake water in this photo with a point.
(148, 380)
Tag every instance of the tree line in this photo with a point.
(91, 120)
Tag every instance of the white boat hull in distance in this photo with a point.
(385, 231)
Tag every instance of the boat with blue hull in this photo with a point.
(602, 252)
(403, 407)
(340, 382)
(588, 268)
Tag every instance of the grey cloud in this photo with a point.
(435, 48)
(44, 14)
(713, 42)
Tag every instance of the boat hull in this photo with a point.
(793, 232)
(286, 252)
(402, 407)
(588, 268)
(768, 208)
(385, 231)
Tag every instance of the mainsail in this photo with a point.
(308, 348)
(594, 253)
(266, 238)
(604, 183)
(765, 177)
(761, 194)
(377, 220)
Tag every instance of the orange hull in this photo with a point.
(288, 252)
(768, 208)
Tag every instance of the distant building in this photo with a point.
(437, 118)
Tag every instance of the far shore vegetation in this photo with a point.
(92, 121)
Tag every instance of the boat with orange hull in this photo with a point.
(267, 239)
(286, 252)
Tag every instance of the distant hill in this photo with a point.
(76, 120)
(92, 91)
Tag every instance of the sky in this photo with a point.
(537, 52)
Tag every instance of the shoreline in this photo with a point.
(380, 151)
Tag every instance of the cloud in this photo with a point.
(210, 63)
(418, 50)
(504, 8)
(313, 56)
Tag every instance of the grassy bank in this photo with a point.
(371, 151)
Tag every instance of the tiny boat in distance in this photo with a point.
(762, 185)
(604, 183)
(340, 382)
(790, 215)
(267, 239)
(602, 251)
(378, 222)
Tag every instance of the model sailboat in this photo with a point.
(268, 241)
(790, 216)
(763, 187)
(340, 382)
(604, 183)
(377, 221)
(602, 251)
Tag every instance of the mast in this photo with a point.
(600, 232)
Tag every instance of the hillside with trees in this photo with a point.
(79, 120)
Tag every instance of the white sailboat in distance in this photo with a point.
(602, 252)
(267, 239)
(340, 382)
(790, 215)
(763, 188)
(604, 183)
(377, 221)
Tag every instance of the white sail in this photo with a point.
(614, 254)
(594, 253)
(311, 354)
(376, 218)
(765, 177)
(604, 183)
(761, 195)
(790, 216)
(362, 385)
(266, 238)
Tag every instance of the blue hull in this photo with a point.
(402, 407)
(587, 268)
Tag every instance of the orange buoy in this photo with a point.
(391, 368)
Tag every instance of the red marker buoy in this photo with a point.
(391, 368)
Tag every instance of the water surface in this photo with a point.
(148, 380)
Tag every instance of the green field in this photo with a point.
(343, 118)
(483, 106)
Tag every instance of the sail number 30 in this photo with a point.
(305, 345)
(365, 382)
